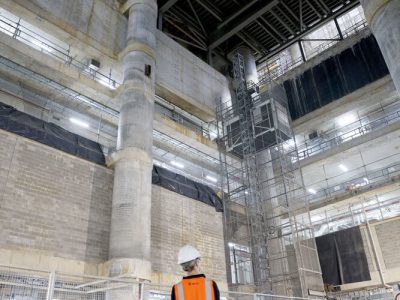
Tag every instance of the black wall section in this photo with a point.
(49, 134)
(335, 77)
(54, 136)
(342, 257)
(184, 186)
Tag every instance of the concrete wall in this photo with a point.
(186, 80)
(96, 29)
(55, 213)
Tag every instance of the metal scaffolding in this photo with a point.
(266, 210)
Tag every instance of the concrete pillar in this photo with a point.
(383, 17)
(129, 251)
(249, 64)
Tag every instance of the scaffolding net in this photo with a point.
(267, 222)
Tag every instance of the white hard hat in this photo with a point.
(187, 253)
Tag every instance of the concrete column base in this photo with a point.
(127, 267)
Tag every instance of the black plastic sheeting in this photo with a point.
(342, 257)
(54, 136)
(49, 134)
(335, 77)
(187, 187)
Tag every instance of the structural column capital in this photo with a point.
(371, 7)
(130, 153)
(137, 86)
(129, 3)
(137, 46)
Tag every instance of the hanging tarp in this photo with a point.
(342, 257)
(49, 134)
(56, 137)
(335, 77)
(187, 187)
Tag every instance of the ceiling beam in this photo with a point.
(313, 8)
(211, 10)
(269, 33)
(251, 42)
(323, 6)
(221, 35)
(290, 11)
(330, 17)
(238, 12)
(167, 5)
(282, 22)
(274, 29)
(281, 11)
(197, 17)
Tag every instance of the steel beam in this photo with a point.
(166, 6)
(282, 22)
(250, 42)
(323, 6)
(221, 35)
(237, 13)
(290, 11)
(267, 31)
(274, 29)
(197, 17)
(313, 8)
(298, 37)
(212, 11)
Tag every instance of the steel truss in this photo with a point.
(266, 208)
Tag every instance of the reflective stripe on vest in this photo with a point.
(208, 290)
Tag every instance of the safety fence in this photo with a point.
(366, 294)
(29, 284)
(357, 180)
(280, 64)
(28, 34)
(345, 134)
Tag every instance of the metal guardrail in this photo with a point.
(357, 184)
(337, 137)
(367, 294)
(23, 283)
(60, 52)
(63, 54)
(275, 68)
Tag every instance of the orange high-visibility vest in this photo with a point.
(197, 288)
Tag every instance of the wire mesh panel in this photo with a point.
(24, 284)
(273, 220)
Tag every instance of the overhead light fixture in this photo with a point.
(210, 178)
(177, 164)
(346, 119)
(107, 83)
(343, 168)
(79, 122)
(312, 191)
(366, 180)
(42, 45)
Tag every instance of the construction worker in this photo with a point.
(194, 286)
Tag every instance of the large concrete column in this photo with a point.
(383, 17)
(129, 251)
(249, 64)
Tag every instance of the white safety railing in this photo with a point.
(60, 51)
(279, 65)
(345, 134)
(357, 180)
(20, 283)
(24, 284)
